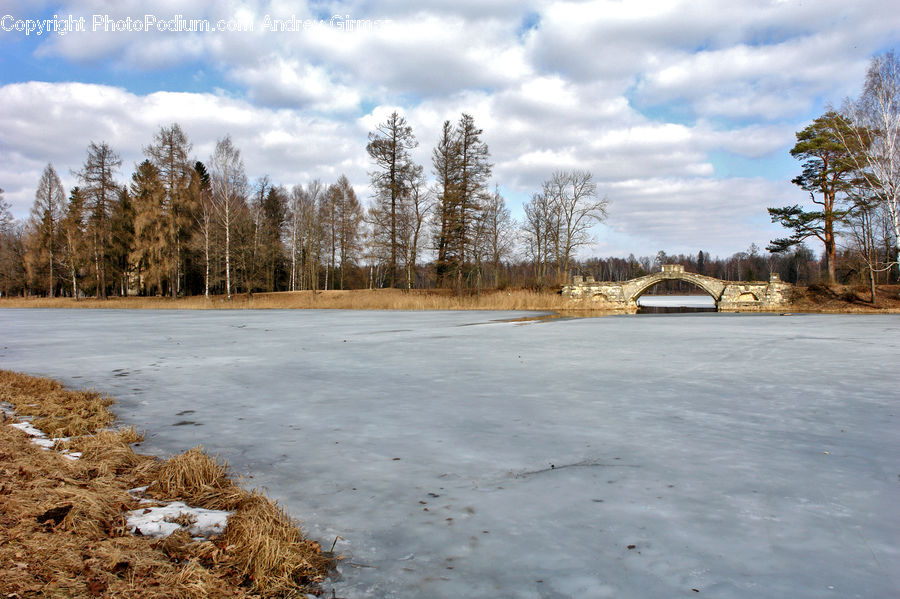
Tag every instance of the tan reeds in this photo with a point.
(357, 299)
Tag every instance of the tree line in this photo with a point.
(181, 226)
(851, 171)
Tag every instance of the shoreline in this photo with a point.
(71, 496)
(819, 299)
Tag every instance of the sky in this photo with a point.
(684, 112)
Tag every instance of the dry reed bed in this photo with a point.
(63, 521)
(356, 299)
(839, 299)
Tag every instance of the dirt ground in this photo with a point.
(847, 299)
(63, 522)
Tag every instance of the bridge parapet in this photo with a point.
(730, 296)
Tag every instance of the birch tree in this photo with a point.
(228, 183)
(73, 234)
(873, 142)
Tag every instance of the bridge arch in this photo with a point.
(637, 287)
(732, 296)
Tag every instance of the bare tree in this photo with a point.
(10, 250)
(46, 214)
(539, 231)
(309, 242)
(573, 199)
(874, 144)
(228, 184)
(498, 230)
(418, 206)
(341, 217)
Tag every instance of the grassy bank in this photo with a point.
(63, 521)
(357, 299)
(815, 298)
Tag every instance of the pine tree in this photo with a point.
(828, 170)
(461, 164)
(389, 147)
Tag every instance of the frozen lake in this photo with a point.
(458, 456)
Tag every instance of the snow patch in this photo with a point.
(160, 522)
(39, 437)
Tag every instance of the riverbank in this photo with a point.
(70, 500)
(815, 298)
(356, 299)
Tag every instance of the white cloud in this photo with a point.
(642, 94)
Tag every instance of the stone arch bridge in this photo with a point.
(730, 296)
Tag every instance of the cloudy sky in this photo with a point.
(684, 111)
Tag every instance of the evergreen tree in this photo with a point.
(828, 169)
(389, 147)
(461, 164)
(121, 225)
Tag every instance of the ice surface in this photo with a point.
(456, 456)
(688, 301)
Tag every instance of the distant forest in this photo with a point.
(179, 226)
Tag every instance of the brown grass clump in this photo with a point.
(197, 478)
(63, 524)
(269, 547)
(56, 411)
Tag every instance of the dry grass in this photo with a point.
(62, 522)
(198, 479)
(56, 411)
(844, 299)
(357, 299)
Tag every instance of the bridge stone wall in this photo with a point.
(730, 296)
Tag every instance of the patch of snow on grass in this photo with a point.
(160, 522)
(38, 437)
